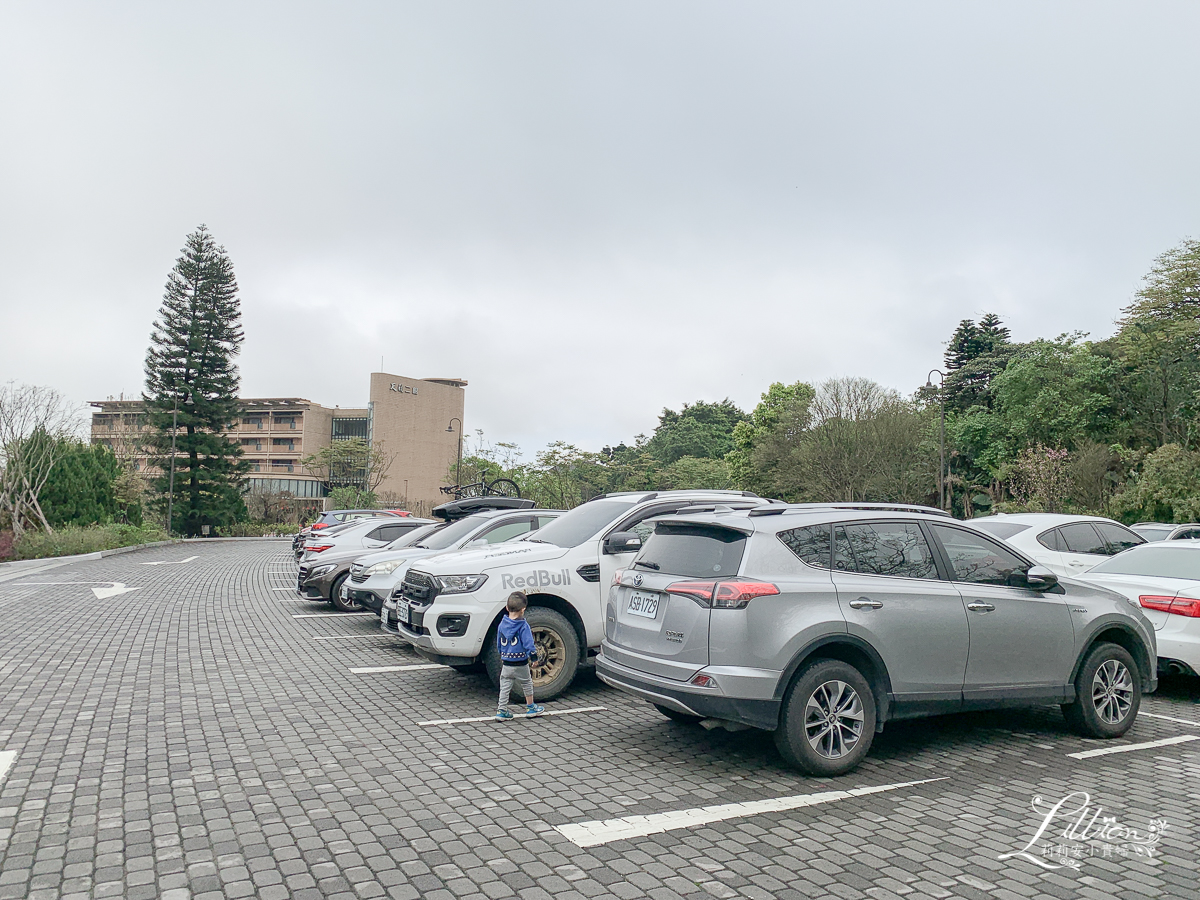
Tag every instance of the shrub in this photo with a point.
(72, 540)
(257, 529)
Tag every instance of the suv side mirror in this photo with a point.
(623, 542)
(1039, 578)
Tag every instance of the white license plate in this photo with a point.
(645, 605)
(383, 618)
(402, 611)
(345, 592)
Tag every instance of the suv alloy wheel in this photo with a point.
(828, 720)
(1109, 692)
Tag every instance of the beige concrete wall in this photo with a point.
(410, 416)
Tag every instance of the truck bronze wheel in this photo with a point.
(558, 653)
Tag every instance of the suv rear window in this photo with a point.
(695, 551)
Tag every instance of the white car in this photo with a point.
(1066, 545)
(1160, 531)
(450, 603)
(1164, 579)
(374, 576)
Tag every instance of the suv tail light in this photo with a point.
(723, 594)
(318, 549)
(317, 526)
(616, 579)
(1180, 606)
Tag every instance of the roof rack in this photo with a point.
(863, 507)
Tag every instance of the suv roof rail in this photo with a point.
(864, 507)
(653, 495)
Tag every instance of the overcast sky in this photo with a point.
(590, 211)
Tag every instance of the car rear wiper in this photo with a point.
(536, 541)
(647, 564)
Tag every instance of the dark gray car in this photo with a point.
(822, 623)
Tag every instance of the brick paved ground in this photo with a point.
(191, 739)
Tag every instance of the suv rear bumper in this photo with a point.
(707, 703)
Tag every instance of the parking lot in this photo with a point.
(175, 724)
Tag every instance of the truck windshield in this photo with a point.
(573, 528)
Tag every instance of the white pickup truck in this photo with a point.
(448, 606)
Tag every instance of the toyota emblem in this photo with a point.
(637, 580)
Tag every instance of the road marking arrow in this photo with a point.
(7, 758)
(114, 589)
(170, 562)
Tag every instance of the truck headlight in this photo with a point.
(460, 584)
(384, 568)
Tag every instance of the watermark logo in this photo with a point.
(1073, 829)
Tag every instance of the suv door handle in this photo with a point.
(865, 603)
(980, 607)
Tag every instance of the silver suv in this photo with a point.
(822, 622)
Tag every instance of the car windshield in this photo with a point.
(412, 537)
(1154, 562)
(583, 522)
(446, 536)
(1002, 530)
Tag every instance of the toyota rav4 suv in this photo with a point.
(822, 622)
(448, 606)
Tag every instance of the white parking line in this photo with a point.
(590, 834)
(7, 758)
(372, 670)
(1126, 748)
(350, 637)
(1169, 719)
(292, 589)
(302, 600)
(492, 718)
(327, 615)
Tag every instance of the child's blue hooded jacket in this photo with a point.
(515, 642)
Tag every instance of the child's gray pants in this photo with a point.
(514, 674)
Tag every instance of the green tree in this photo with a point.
(1170, 293)
(81, 486)
(1167, 489)
(351, 463)
(702, 430)
(1053, 393)
(975, 355)
(190, 366)
(784, 410)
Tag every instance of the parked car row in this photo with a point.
(817, 622)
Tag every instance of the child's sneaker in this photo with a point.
(534, 710)
(503, 715)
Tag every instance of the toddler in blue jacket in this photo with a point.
(517, 650)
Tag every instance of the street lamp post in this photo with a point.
(942, 436)
(171, 482)
(458, 466)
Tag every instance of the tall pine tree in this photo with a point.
(190, 367)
